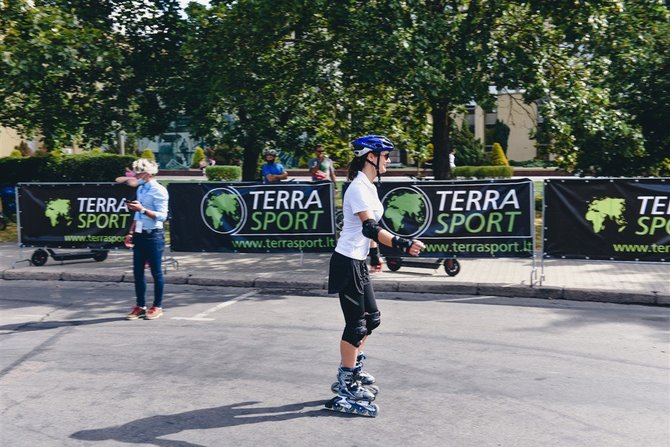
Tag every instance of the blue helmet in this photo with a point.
(371, 143)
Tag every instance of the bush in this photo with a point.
(198, 154)
(483, 171)
(63, 168)
(469, 151)
(148, 154)
(534, 163)
(498, 157)
(223, 173)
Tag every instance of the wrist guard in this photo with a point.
(402, 243)
(374, 256)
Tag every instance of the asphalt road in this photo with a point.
(245, 367)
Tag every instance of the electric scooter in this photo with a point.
(40, 256)
(451, 266)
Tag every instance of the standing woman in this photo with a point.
(348, 275)
(147, 238)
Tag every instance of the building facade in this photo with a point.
(521, 119)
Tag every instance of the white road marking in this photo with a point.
(474, 298)
(202, 316)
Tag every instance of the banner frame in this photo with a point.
(18, 213)
(543, 255)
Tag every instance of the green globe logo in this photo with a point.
(604, 209)
(56, 210)
(223, 210)
(407, 211)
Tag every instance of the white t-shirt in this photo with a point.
(361, 195)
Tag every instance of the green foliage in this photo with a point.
(223, 173)
(601, 75)
(15, 153)
(535, 163)
(63, 168)
(497, 156)
(225, 154)
(148, 154)
(77, 72)
(287, 74)
(469, 150)
(483, 171)
(501, 134)
(198, 156)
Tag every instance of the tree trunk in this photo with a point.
(441, 142)
(250, 161)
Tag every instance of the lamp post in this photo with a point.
(122, 142)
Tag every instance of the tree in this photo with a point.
(600, 72)
(243, 79)
(77, 71)
(439, 53)
(469, 150)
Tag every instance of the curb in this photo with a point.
(479, 289)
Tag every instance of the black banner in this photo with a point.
(617, 219)
(461, 218)
(285, 217)
(73, 215)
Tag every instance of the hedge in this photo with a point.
(223, 173)
(483, 171)
(63, 168)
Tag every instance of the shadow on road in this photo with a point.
(45, 325)
(149, 430)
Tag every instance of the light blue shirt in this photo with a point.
(153, 196)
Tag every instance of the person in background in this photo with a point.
(321, 167)
(348, 273)
(452, 159)
(146, 237)
(272, 171)
(128, 177)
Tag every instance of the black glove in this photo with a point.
(374, 256)
(402, 243)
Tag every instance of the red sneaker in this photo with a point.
(154, 313)
(136, 313)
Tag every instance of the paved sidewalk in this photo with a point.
(618, 282)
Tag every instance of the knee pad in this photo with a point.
(355, 332)
(373, 320)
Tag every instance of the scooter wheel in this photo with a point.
(100, 256)
(39, 257)
(452, 267)
(394, 264)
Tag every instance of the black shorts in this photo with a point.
(346, 274)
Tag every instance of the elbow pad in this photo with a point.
(371, 229)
